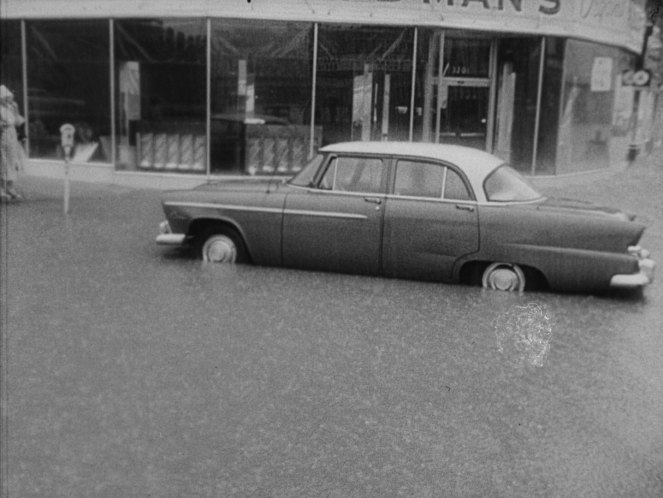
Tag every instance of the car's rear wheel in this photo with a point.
(503, 276)
(221, 246)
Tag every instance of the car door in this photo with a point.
(336, 225)
(431, 220)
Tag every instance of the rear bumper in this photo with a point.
(643, 277)
(167, 238)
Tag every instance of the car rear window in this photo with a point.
(505, 184)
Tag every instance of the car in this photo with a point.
(411, 210)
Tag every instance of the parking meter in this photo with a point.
(67, 135)
(67, 140)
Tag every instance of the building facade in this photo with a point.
(212, 88)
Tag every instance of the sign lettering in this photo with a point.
(600, 9)
(548, 7)
(551, 9)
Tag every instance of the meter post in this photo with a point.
(67, 140)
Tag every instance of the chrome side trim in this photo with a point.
(416, 198)
(338, 192)
(326, 214)
(512, 203)
(442, 200)
(253, 209)
(229, 207)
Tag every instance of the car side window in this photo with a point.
(419, 179)
(455, 188)
(353, 174)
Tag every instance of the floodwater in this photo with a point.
(132, 370)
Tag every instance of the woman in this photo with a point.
(13, 157)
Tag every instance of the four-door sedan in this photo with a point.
(422, 211)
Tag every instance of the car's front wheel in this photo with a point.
(221, 246)
(503, 276)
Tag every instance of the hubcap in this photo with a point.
(220, 249)
(503, 279)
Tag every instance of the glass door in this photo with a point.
(457, 90)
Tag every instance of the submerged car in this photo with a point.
(421, 211)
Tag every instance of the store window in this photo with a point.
(550, 100)
(261, 97)
(364, 82)
(160, 75)
(10, 55)
(518, 63)
(596, 109)
(68, 81)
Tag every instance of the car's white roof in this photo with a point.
(474, 162)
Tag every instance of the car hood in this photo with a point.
(584, 208)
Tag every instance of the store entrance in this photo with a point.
(457, 91)
(464, 120)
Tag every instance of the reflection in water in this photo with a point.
(524, 334)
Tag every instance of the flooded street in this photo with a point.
(133, 370)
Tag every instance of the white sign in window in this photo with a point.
(601, 74)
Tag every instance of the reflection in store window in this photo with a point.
(261, 96)
(588, 137)
(68, 74)
(10, 55)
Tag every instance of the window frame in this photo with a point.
(330, 161)
(447, 166)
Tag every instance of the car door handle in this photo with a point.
(374, 200)
(465, 207)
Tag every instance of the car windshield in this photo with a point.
(505, 184)
(305, 177)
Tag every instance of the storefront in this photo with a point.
(249, 87)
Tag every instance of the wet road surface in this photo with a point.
(133, 370)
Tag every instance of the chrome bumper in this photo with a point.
(167, 238)
(643, 277)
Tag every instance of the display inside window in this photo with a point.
(160, 71)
